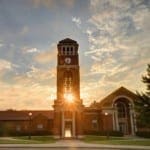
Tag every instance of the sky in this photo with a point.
(114, 48)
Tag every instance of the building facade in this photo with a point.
(70, 118)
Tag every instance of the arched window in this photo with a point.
(67, 81)
(121, 107)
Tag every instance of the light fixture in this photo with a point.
(106, 113)
(30, 114)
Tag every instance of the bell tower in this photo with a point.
(68, 106)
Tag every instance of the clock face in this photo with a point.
(67, 60)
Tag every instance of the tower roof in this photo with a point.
(68, 41)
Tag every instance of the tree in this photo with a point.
(142, 104)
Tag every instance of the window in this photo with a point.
(71, 51)
(67, 50)
(40, 126)
(121, 107)
(67, 81)
(18, 128)
(64, 50)
(94, 124)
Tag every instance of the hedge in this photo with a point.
(104, 133)
(145, 134)
(24, 133)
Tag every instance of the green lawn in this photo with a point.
(25, 140)
(117, 140)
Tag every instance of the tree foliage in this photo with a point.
(142, 104)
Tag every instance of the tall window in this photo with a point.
(40, 126)
(67, 81)
(121, 107)
(71, 51)
(64, 50)
(94, 124)
(67, 50)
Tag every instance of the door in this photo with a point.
(68, 129)
(122, 128)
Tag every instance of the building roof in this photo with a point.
(67, 41)
(122, 91)
(13, 115)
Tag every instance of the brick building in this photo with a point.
(70, 118)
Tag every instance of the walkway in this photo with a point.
(74, 144)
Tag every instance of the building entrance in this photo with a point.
(122, 128)
(68, 129)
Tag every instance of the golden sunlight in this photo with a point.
(67, 133)
(69, 97)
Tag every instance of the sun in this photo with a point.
(69, 97)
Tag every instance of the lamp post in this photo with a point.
(106, 121)
(30, 116)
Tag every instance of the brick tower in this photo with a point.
(68, 107)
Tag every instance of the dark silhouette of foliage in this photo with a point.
(142, 105)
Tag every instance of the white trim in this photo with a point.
(131, 120)
(63, 125)
(73, 124)
(114, 127)
(122, 96)
(116, 120)
(130, 111)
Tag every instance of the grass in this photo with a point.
(87, 139)
(25, 140)
(117, 140)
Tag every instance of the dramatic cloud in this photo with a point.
(114, 44)
(26, 97)
(119, 40)
(28, 90)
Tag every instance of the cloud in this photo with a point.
(30, 50)
(25, 97)
(36, 76)
(119, 28)
(115, 22)
(47, 56)
(5, 65)
(77, 21)
(119, 39)
(29, 89)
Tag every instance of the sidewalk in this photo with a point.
(73, 144)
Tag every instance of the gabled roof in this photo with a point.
(108, 100)
(13, 115)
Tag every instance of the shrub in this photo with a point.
(145, 134)
(104, 133)
(24, 133)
